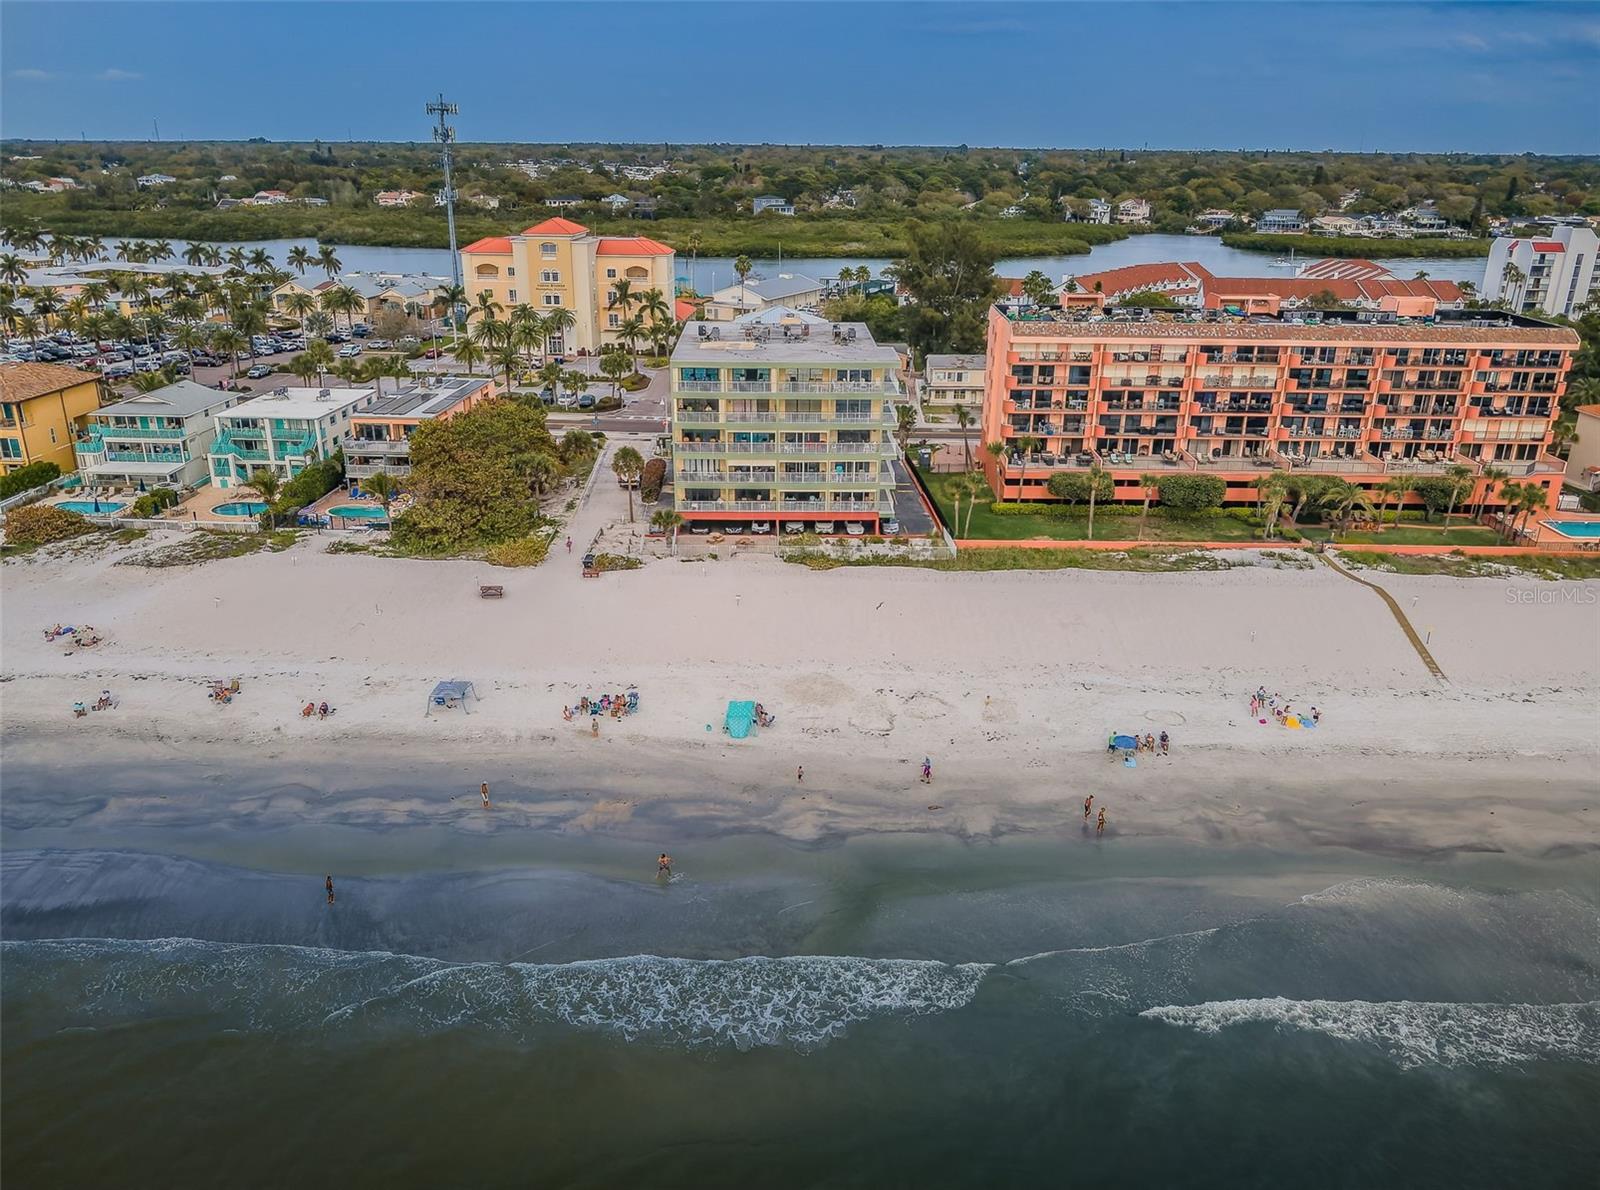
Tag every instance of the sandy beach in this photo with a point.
(1009, 682)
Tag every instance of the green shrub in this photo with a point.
(24, 479)
(607, 404)
(524, 551)
(315, 482)
(1073, 486)
(37, 524)
(1191, 493)
(650, 481)
(153, 502)
(604, 562)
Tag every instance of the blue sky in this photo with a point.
(1469, 76)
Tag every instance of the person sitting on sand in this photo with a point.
(104, 703)
(566, 712)
(52, 633)
(306, 711)
(324, 711)
(1166, 743)
(1316, 715)
(583, 705)
(79, 710)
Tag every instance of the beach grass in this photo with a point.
(202, 545)
(1152, 560)
(1532, 565)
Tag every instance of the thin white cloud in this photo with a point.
(32, 75)
(114, 75)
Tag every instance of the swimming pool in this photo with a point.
(360, 512)
(103, 508)
(240, 508)
(1588, 530)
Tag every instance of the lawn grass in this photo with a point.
(1409, 535)
(1532, 565)
(987, 525)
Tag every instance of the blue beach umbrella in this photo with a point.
(1128, 742)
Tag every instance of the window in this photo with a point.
(487, 271)
(10, 448)
(613, 320)
(552, 299)
(511, 295)
(547, 250)
(611, 274)
(52, 435)
(550, 277)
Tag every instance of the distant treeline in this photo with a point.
(1313, 246)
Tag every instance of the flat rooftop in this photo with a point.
(305, 404)
(420, 401)
(755, 344)
(1466, 326)
(183, 399)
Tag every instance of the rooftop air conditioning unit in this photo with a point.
(321, 396)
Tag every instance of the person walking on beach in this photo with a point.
(484, 791)
(1166, 743)
(800, 772)
(569, 545)
(927, 771)
(1100, 822)
(1087, 802)
(329, 885)
(664, 866)
(594, 727)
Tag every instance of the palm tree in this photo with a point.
(527, 330)
(469, 355)
(319, 355)
(629, 334)
(743, 266)
(452, 298)
(614, 365)
(1096, 474)
(300, 304)
(653, 307)
(628, 463)
(1150, 484)
(148, 382)
(382, 485)
(328, 260)
(667, 521)
(190, 338)
(905, 420)
(549, 376)
(505, 355)
(13, 271)
(486, 307)
(1396, 489)
(300, 259)
(303, 367)
(1026, 447)
(267, 485)
(1342, 498)
(965, 420)
(1512, 279)
(1461, 479)
(557, 323)
(230, 342)
(1492, 478)
(1036, 286)
(693, 244)
(622, 297)
(997, 452)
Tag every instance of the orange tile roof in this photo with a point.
(490, 244)
(557, 227)
(1591, 410)
(684, 310)
(1135, 277)
(632, 246)
(21, 382)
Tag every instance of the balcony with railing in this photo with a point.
(819, 508)
(108, 430)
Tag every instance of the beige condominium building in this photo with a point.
(951, 380)
(783, 419)
(561, 264)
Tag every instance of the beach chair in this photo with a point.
(491, 591)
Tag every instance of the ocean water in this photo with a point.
(887, 1013)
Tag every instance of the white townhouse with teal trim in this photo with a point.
(155, 439)
(283, 431)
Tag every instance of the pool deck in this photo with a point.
(1545, 535)
(198, 507)
(339, 498)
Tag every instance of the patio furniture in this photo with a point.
(491, 591)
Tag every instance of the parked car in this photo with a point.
(350, 350)
(361, 330)
(855, 528)
(432, 353)
(379, 344)
(120, 370)
(794, 527)
(761, 527)
(586, 401)
(259, 371)
(891, 527)
(567, 401)
(149, 364)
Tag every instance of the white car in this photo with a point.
(567, 402)
(350, 350)
(761, 527)
(855, 528)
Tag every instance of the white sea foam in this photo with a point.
(1416, 1033)
(797, 1001)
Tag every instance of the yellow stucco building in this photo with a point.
(42, 406)
(559, 263)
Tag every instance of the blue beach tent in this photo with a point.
(740, 719)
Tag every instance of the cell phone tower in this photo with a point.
(445, 134)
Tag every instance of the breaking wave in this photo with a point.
(800, 1001)
(1416, 1033)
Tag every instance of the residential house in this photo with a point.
(379, 290)
(147, 181)
(1011, 212)
(1215, 219)
(616, 202)
(380, 435)
(268, 198)
(1348, 199)
(562, 201)
(484, 202)
(1425, 220)
(311, 201)
(1347, 396)
(784, 418)
(396, 198)
(840, 200)
(1555, 274)
(643, 208)
(283, 431)
(155, 439)
(1280, 220)
(42, 408)
(1133, 210)
(775, 203)
(562, 264)
(753, 296)
(1338, 225)
(1099, 211)
(951, 380)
